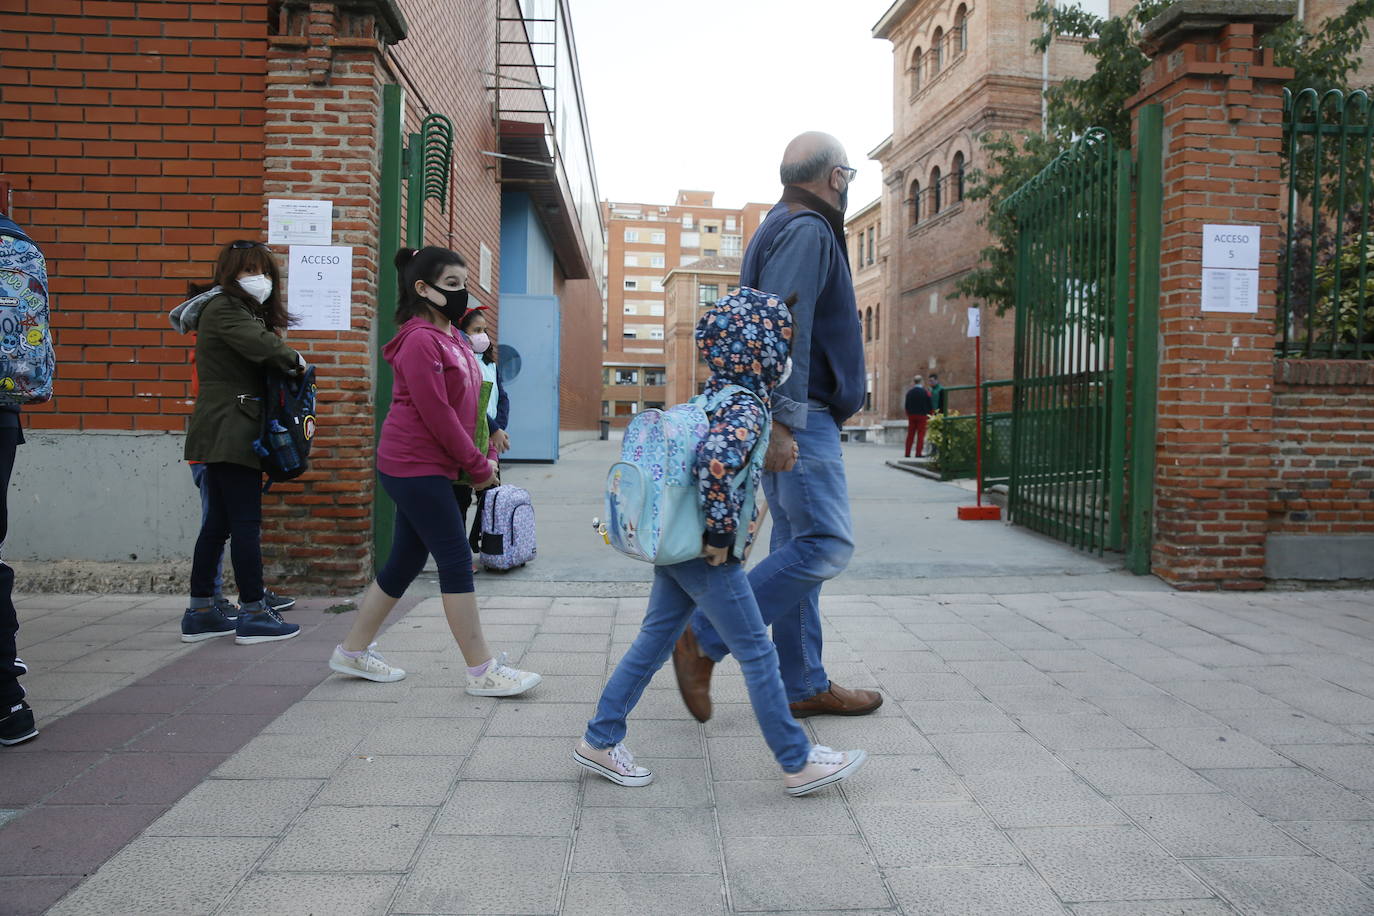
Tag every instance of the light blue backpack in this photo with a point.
(653, 498)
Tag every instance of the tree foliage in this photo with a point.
(1323, 59)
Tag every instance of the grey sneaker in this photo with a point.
(615, 763)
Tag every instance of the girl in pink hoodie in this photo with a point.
(427, 442)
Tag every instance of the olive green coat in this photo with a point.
(233, 347)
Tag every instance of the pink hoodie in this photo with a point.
(428, 430)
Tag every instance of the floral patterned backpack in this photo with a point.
(653, 500)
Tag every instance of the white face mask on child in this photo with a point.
(786, 372)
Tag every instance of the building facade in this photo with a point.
(960, 70)
(687, 291)
(867, 261)
(643, 243)
(142, 139)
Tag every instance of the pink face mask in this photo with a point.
(480, 342)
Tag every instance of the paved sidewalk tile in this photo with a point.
(455, 875)
(1012, 890)
(363, 838)
(662, 895)
(1105, 863)
(789, 873)
(1288, 887)
(337, 895)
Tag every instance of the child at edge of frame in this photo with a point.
(744, 340)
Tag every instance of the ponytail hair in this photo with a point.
(425, 265)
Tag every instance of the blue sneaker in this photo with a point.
(227, 608)
(205, 624)
(277, 602)
(263, 626)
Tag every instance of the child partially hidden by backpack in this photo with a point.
(744, 339)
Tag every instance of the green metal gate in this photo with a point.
(1074, 366)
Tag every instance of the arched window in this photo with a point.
(937, 51)
(958, 176)
(914, 202)
(935, 202)
(877, 321)
(961, 30)
(917, 60)
(868, 325)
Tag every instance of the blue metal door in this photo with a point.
(528, 357)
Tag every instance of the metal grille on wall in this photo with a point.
(1326, 294)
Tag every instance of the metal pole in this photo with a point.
(388, 242)
(978, 406)
(1145, 369)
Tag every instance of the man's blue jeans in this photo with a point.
(722, 594)
(813, 539)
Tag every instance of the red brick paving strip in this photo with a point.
(95, 779)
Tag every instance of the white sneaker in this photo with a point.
(823, 766)
(369, 665)
(501, 680)
(615, 763)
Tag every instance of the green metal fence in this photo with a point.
(956, 458)
(1326, 296)
(1068, 436)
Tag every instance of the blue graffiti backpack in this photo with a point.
(27, 362)
(288, 425)
(653, 499)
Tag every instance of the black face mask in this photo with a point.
(455, 303)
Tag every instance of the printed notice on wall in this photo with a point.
(319, 287)
(975, 324)
(300, 222)
(1230, 290)
(1230, 268)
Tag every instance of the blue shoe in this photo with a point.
(263, 626)
(227, 608)
(277, 602)
(204, 624)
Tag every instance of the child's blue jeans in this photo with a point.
(724, 595)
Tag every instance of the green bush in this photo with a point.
(953, 438)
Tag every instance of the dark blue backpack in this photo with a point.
(288, 425)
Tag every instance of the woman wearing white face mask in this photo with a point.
(237, 322)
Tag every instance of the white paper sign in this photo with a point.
(1231, 247)
(1230, 291)
(300, 222)
(975, 324)
(319, 287)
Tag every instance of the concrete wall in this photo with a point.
(110, 497)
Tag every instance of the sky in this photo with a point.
(704, 95)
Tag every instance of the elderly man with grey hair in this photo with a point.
(799, 254)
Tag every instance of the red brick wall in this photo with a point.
(1324, 429)
(1215, 445)
(132, 134)
(323, 142)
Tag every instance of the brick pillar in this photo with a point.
(323, 141)
(1222, 104)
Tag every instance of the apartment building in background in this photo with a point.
(644, 243)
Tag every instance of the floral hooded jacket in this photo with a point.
(744, 339)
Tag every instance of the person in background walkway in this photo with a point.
(238, 322)
(918, 411)
(937, 394)
(799, 251)
(426, 443)
(476, 331)
(744, 339)
(16, 716)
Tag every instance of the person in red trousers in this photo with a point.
(918, 409)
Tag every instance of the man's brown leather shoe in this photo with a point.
(838, 701)
(693, 672)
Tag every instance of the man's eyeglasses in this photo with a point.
(849, 173)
